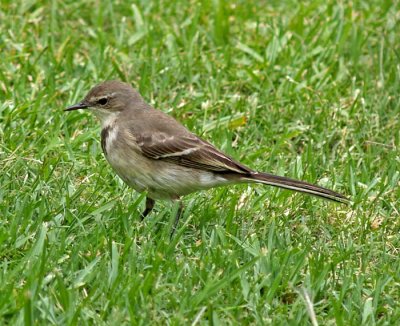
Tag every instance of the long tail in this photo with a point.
(296, 185)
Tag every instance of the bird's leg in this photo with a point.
(149, 207)
(177, 217)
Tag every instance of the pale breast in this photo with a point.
(123, 158)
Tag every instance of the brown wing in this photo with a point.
(187, 150)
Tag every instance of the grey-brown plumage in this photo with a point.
(153, 152)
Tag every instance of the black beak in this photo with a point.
(78, 106)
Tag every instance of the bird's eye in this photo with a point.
(103, 101)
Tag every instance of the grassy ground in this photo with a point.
(305, 89)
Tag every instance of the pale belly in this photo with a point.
(160, 179)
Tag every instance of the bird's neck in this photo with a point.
(107, 119)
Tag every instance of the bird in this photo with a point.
(154, 153)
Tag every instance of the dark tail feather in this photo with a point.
(301, 186)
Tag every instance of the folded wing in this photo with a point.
(188, 150)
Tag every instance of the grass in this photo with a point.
(305, 89)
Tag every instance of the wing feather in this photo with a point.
(188, 150)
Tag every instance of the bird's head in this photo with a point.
(109, 99)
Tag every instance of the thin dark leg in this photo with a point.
(177, 218)
(149, 207)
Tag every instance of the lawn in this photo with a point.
(306, 89)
